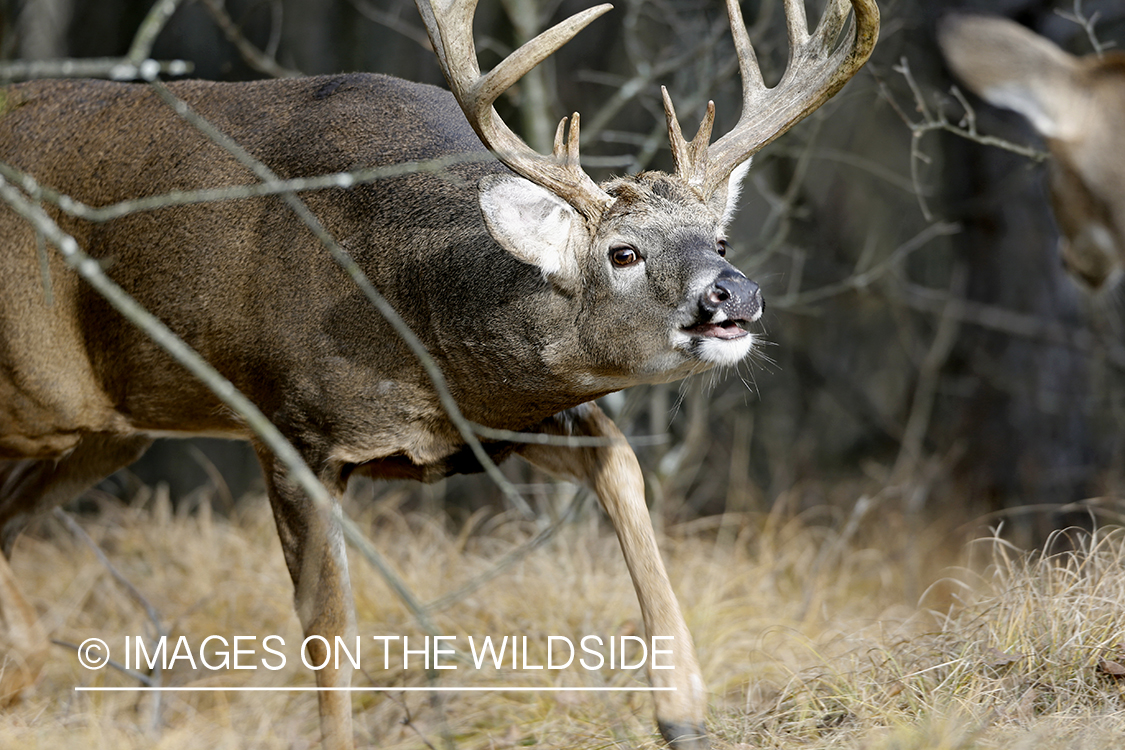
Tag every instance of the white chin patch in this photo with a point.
(725, 352)
(715, 351)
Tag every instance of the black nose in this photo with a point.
(737, 296)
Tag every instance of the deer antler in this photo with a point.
(817, 69)
(451, 34)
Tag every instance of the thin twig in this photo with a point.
(1010, 322)
(137, 63)
(150, 28)
(926, 387)
(114, 68)
(394, 22)
(112, 211)
(1087, 23)
(140, 677)
(931, 121)
(161, 632)
(407, 721)
(254, 57)
(75, 528)
(865, 279)
(506, 561)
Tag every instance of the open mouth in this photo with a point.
(728, 330)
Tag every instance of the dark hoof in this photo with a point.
(684, 736)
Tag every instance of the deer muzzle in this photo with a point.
(731, 302)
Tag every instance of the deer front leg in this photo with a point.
(315, 554)
(612, 471)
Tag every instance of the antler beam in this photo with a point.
(450, 28)
(818, 67)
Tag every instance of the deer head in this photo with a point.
(644, 229)
(1078, 106)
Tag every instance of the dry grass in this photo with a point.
(806, 639)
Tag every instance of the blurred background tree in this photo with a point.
(924, 351)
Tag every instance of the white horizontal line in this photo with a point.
(372, 689)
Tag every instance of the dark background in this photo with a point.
(926, 352)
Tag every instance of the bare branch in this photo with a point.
(75, 528)
(1087, 23)
(392, 21)
(931, 121)
(926, 387)
(161, 632)
(507, 561)
(1011, 322)
(866, 279)
(253, 56)
(114, 68)
(150, 28)
(144, 679)
(239, 192)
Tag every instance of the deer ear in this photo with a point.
(530, 222)
(734, 190)
(1011, 67)
(725, 201)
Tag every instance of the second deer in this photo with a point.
(1078, 105)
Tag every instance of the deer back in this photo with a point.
(246, 284)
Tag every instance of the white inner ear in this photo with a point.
(530, 222)
(1029, 101)
(734, 190)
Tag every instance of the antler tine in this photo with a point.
(691, 162)
(815, 72)
(752, 83)
(796, 24)
(451, 33)
(566, 144)
(690, 159)
(562, 148)
(832, 22)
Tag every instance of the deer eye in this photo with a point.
(623, 255)
(723, 247)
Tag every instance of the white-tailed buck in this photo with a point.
(1078, 105)
(533, 288)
